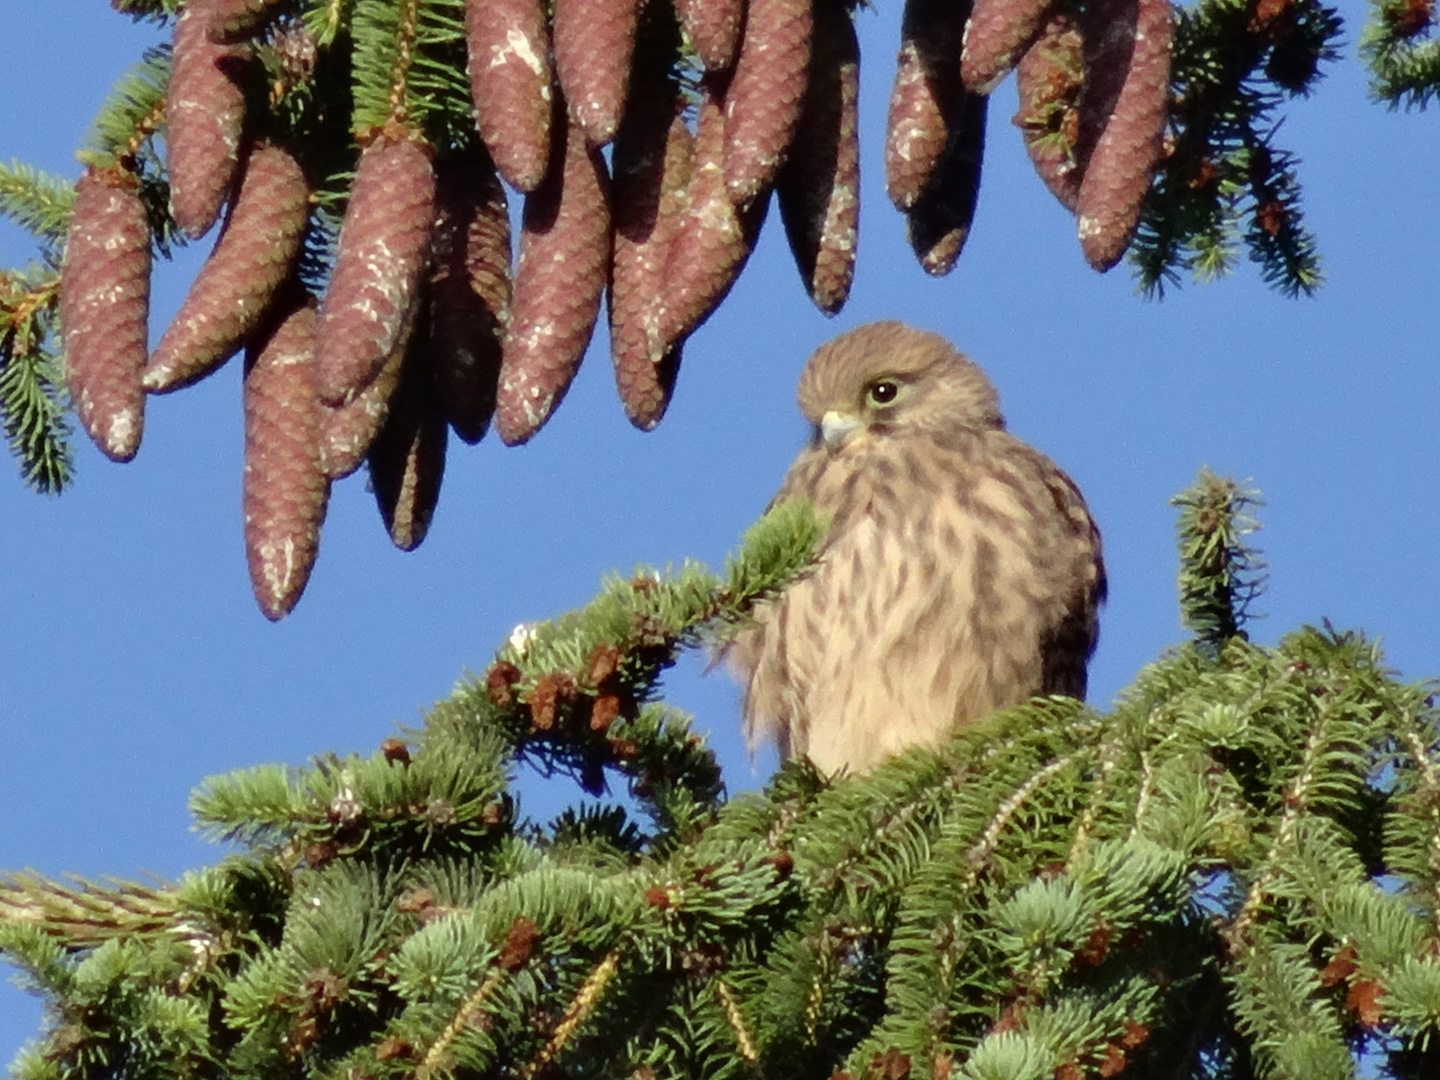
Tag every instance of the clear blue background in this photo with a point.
(133, 661)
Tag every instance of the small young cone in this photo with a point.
(469, 293)
(713, 28)
(104, 302)
(510, 81)
(819, 185)
(998, 32)
(653, 155)
(1119, 171)
(925, 99)
(713, 239)
(384, 244)
(939, 223)
(347, 432)
(1048, 79)
(762, 103)
(559, 278)
(234, 289)
(286, 489)
(204, 111)
(594, 40)
(407, 458)
(232, 21)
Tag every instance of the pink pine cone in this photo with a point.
(819, 185)
(559, 279)
(1119, 171)
(285, 488)
(763, 101)
(407, 458)
(233, 291)
(939, 222)
(1048, 80)
(510, 81)
(233, 21)
(346, 432)
(204, 111)
(104, 302)
(594, 40)
(998, 32)
(713, 27)
(925, 98)
(370, 305)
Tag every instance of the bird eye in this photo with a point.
(883, 392)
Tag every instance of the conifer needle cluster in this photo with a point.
(1234, 872)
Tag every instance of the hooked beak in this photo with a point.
(836, 427)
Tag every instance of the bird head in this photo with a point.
(887, 376)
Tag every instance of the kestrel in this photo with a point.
(961, 572)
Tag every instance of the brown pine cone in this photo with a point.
(347, 432)
(762, 103)
(998, 32)
(1048, 79)
(652, 158)
(1107, 33)
(510, 81)
(233, 290)
(594, 40)
(286, 489)
(1119, 171)
(104, 302)
(559, 277)
(407, 458)
(819, 185)
(232, 21)
(713, 239)
(384, 243)
(713, 27)
(939, 223)
(469, 294)
(926, 98)
(204, 111)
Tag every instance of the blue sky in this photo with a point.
(133, 661)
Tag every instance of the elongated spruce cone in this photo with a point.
(233, 291)
(713, 240)
(939, 223)
(559, 278)
(510, 81)
(232, 21)
(1118, 173)
(1048, 80)
(204, 112)
(381, 256)
(652, 159)
(926, 98)
(763, 100)
(1107, 35)
(594, 40)
(285, 489)
(469, 293)
(407, 458)
(713, 28)
(819, 185)
(998, 33)
(346, 432)
(104, 302)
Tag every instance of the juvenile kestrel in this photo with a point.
(961, 572)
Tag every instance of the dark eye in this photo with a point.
(883, 392)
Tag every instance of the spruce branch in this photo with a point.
(1399, 43)
(1220, 575)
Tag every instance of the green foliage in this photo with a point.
(1400, 45)
(1232, 873)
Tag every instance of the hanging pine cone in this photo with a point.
(285, 489)
(763, 100)
(1118, 173)
(469, 291)
(346, 432)
(594, 40)
(1048, 80)
(204, 111)
(559, 277)
(407, 458)
(713, 29)
(998, 33)
(819, 185)
(232, 21)
(251, 260)
(510, 80)
(925, 99)
(104, 303)
(370, 305)
(939, 223)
